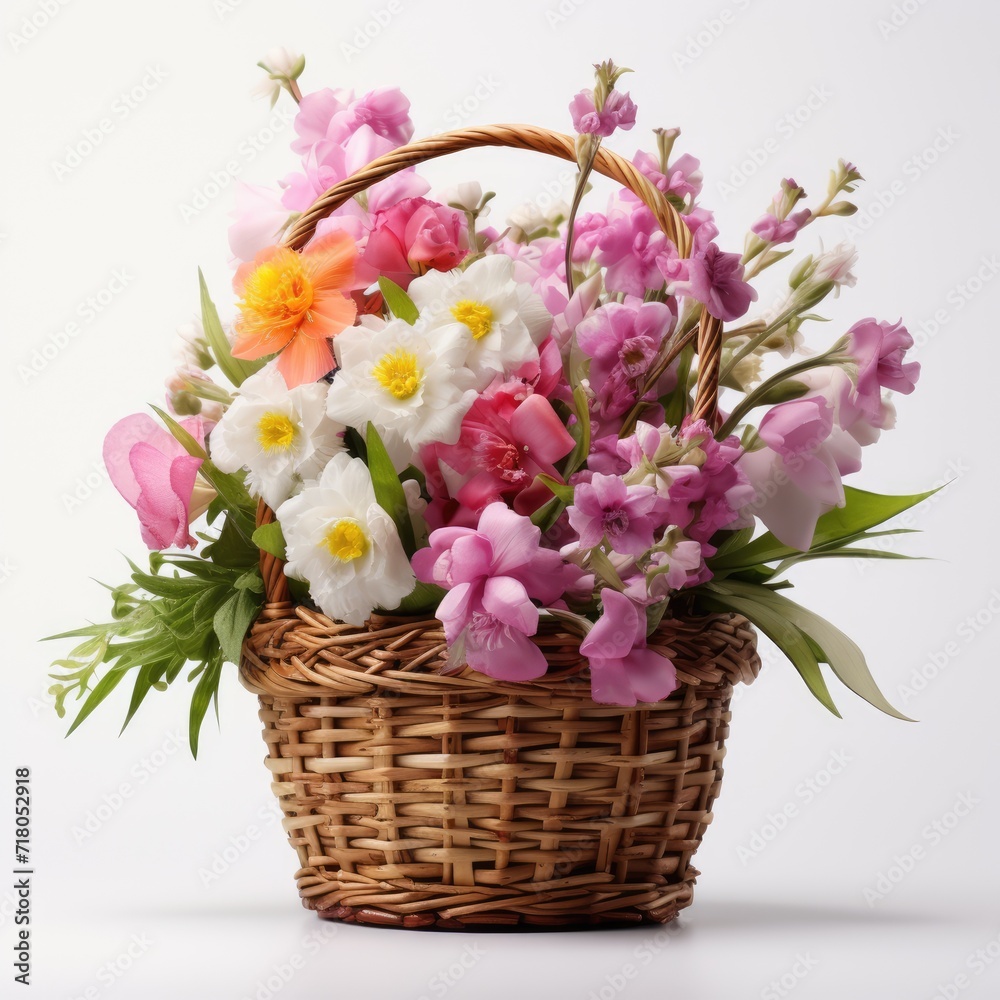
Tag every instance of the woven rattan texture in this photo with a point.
(418, 798)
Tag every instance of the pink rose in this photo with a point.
(415, 235)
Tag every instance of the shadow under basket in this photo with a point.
(419, 799)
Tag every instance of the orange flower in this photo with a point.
(294, 303)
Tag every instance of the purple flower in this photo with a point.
(879, 349)
(634, 251)
(622, 670)
(618, 112)
(492, 574)
(715, 279)
(627, 516)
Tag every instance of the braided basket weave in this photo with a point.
(416, 798)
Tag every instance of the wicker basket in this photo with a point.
(415, 798)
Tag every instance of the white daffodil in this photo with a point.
(282, 436)
(411, 386)
(344, 545)
(499, 321)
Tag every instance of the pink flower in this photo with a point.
(413, 235)
(683, 565)
(623, 340)
(508, 437)
(492, 574)
(335, 115)
(683, 177)
(622, 670)
(258, 219)
(156, 476)
(618, 112)
(797, 476)
(627, 516)
(879, 349)
(716, 280)
(771, 229)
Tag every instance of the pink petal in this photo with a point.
(609, 683)
(536, 425)
(507, 599)
(515, 659)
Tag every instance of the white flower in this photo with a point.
(282, 436)
(530, 218)
(499, 321)
(466, 196)
(835, 265)
(412, 387)
(340, 541)
(281, 66)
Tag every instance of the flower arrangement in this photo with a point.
(495, 426)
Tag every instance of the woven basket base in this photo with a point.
(419, 799)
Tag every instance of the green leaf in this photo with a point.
(231, 548)
(563, 491)
(861, 511)
(400, 304)
(191, 446)
(841, 652)
(388, 488)
(269, 538)
(206, 691)
(547, 515)
(580, 431)
(602, 566)
(789, 639)
(235, 369)
(232, 622)
(423, 597)
(101, 690)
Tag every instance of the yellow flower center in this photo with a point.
(276, 432)
(346, 540)
(477, 316)
(398, 373)
(279, 292)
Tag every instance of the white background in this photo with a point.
(126, 830)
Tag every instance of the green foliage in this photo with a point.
(161, 622)
(400, 304)
(235, 369)
(388, 488)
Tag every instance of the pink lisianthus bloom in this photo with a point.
(797, 475)
(414, 235)
(879, 349)
(771, 229)
(622, 670)
(623, 340)
(335, 115)
(630, 246)
(151, 469)
(683, 177)
(716, 280)
(618, 112)
(627, 516)
(492, 574)
(509, 436)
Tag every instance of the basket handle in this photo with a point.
(540, 140)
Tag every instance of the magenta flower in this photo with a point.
(156, 476)
(622, 670)
(492, 574)
(627, 516)
(684, 177)
(879, 349)
(634, 251)
(413, 235)
(618, 112)
(716, 280)
(623, 340)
